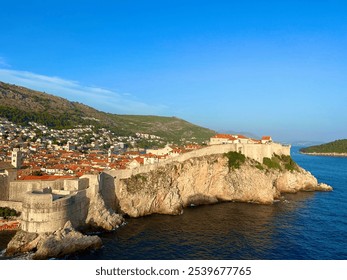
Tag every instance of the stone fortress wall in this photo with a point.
(48, 205)
(18, 189)
(5, 178)
(3, 188)
(254, 151)
(47, 211)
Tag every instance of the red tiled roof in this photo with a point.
(224, 136)
(139, 160)
(47, 177)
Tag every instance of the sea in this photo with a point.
(302, 226)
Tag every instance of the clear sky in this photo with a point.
(266, 67)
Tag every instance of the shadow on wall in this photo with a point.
(108, 191)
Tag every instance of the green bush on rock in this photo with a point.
(235, 159)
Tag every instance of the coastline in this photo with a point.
(325, 154)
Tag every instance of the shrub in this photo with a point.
(289, 163)
(259, 166)
(8, 212)
(235, 159)
(272, 163)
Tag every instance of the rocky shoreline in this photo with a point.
(66, 240)
(208, 180)
(326, 154)
(52, 245)
(168, 190)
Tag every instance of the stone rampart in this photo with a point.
(11, 204)
(47, 212)
(3, 187)
(254, 151)
(18, 188)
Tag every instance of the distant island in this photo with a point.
(335, 148)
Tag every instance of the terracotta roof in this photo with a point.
(266, 138)
(139, 160)
(47, 177)
(224, 136)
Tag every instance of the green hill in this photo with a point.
(338, 146)
(22, 105)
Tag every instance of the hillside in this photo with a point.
(22, 105)
(336, 147)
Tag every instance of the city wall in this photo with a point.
(254, 151)
(5, 178)
(3, 187)
(48, 205)
(46, 212)
(17, 189)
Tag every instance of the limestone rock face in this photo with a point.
(101, 217)
(323, 188)
(51, 245)
(293, 182)
(22, 242)
(206, 180)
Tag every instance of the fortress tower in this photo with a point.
(16, 158)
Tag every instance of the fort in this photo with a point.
(254, 151)
(46, 205)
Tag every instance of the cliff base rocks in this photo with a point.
(52, 245)
(100, 217)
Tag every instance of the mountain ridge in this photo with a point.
(21, 105)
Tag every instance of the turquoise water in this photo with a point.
(303, 226)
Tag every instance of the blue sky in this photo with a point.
(266, 67)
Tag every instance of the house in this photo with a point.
(160, 152)
(266, 139)
(136, 162)
(242, 139)
(223, 139)
(192, 147)
(149, 159)
(176, 152)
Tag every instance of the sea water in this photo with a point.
(307, 225)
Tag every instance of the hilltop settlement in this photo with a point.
(49, 153)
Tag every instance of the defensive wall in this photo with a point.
(254, 151)
(5, 178)
(18, 188)
(48, 205)
(47, 211)
(3, 187)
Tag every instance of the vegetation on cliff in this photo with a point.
(235, 159)
(338, 146)
(21, 105)
(280, 163)
(8, 212)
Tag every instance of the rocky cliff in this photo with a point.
(211, 179)
(101, 217)
(51, 245)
